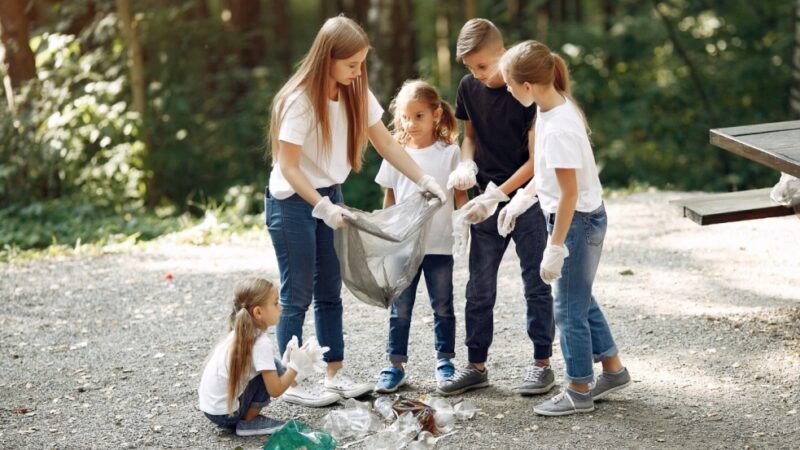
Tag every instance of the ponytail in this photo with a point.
(560, 75)
(447, 128)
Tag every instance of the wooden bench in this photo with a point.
(731, 207)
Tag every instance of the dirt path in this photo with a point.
(105, 351)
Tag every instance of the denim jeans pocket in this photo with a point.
(595, 227)
(267, 210)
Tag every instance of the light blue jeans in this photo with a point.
(585, 336)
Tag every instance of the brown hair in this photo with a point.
(339, 38)
(476, 35)
(419, 90)
(534, 63)
(248, 293)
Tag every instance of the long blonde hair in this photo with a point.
(534, 63)
(248, 293)
(339, 38)
(419, 90)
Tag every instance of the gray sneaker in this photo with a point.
(609, 382)
(464, 380)
(565, 403)
(538, 380)
(258, 426)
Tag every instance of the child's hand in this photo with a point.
(507, 219)
(290, 347)
(464, 176)
(481, 207)
(552, 262)
(316, 352)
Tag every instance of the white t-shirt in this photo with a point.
(561, 142)
(438, 160)
(213, 390)
(299, 126)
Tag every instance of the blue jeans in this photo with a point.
(309, 269)
(485, 254)
(585, 336)
(438, 271)
(255, 395)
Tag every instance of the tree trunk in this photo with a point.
(470, 9)
(327, 9)
(18, 60)
(283, 43)
(395, 56)
(443, 48)
(246, 19)
(795, 90)
(542, 23)
(135, 60)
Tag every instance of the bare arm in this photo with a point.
(393, 152)
(520, 177)
(468, 143)
(460, 198)
(388, 198)
(289, 161)
(568, 184)
(276, 385)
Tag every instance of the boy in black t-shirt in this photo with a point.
(495, 155)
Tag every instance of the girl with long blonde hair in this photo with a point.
(571, 196)
(320, 123)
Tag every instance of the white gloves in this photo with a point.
(481, 207)
(332, 215)
(306, 359)
(463, 177)
(460, 233)
(552, 262)
(428, 184)
(522, 201)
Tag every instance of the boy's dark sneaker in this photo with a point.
(539, 379)
(258, 426)
(465, 380)
(609, 382)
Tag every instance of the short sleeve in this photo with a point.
(562, 150)
(455, 157)
(298, 121)
(461, 109)
(387, 175)
(374, 109)
(263, 356)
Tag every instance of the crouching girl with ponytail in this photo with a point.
(241, 374)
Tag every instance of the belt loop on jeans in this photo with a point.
(551, 218)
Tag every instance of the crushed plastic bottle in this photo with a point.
(356, 420)
(445, 414)
(425, 441)
(401, 432)
(383, 406)
(465, 410)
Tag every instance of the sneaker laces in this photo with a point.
(462, 373)
(560, 396)
(343, 379)
(535, 373)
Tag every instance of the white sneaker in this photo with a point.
(310, 394)
(343, 385)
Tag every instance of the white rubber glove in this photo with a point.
(301, 362)
(463, 177)
(428, 184)
(332, 215)
(460, 233)
(481, 207)
(552, 262)
(315, 352)
(522, 201)
(290, 347)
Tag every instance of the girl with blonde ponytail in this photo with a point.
(319, 126)
(571, 197)
(241, 373)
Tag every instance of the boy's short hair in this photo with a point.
(476, 35)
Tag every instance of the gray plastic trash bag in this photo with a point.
(380, 252)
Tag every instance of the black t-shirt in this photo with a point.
(501, 127)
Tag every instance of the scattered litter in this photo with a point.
(354, 421)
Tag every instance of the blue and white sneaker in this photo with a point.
(444, 370)
(258, 426)
(390, 379)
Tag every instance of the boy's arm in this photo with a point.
(276, 385)
(520, 177)
(388, 198)
(468, 143)
(460, 198)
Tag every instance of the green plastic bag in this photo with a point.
(294, 435)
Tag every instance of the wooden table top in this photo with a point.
(775, 145)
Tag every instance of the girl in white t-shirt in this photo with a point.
(320, 123)
(569, 190)
(241, 373)
(426, 126)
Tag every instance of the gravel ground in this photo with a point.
(101, 352)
